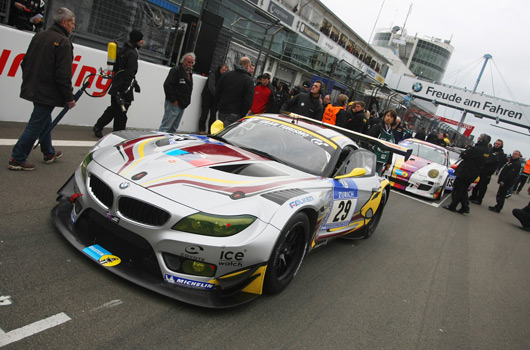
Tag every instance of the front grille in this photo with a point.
(142, 212)
(101, 191)
(424, 187)
(134, 250)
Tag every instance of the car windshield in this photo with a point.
(283, 142)
(426, 152)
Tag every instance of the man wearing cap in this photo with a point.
(262, 95)
(123, 82)
(307, 104)
(306, 85)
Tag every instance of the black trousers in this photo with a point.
(522, 216)
(208, 107)
(114, 112)
(479, 191)
(501, 194)
(459, 194)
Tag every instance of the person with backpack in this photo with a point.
(123, 82)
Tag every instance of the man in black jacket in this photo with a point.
(235, 92)
(47, 82)
(121, 93)
(507, 177)
(208, 99)
(466, 172)
(177, 87)
(357, 119)
(307, 104)
(495, 159)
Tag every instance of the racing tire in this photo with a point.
(369, 229)
(287, 254)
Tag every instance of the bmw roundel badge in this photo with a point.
(124, 185)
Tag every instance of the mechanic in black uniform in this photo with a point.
(466, 172)
(497, 158)
(121, 91)
(506, 179)
(307, 104)
(523, 215)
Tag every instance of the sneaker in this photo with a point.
(14, 165)
(476, 201)
(50, 158)
(516, 192)
(508, 195)
(97, 132)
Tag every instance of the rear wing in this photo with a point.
(357, 136)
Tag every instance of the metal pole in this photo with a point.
(487, 57)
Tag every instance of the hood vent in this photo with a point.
(252, 169)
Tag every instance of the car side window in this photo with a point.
(351, 159)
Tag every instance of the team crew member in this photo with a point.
(307, 104)
(506, 179)
(496, 158)
(466, 172)
(336, 114)
(121, 93)
(523, 215)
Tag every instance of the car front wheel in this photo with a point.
(287, 254)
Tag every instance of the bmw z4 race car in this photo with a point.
(217, 220)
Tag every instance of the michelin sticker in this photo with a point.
(345, 197)
(101, 255)
(188, 283)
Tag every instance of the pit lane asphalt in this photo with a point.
(427, 279)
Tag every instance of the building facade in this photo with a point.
(427, 58)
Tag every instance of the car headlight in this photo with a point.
(84, 165)
(433, 173)
(214, 225)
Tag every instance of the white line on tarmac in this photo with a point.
(31, 329)
(60, 143)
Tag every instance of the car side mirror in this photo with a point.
(216, 127)
(355, 172)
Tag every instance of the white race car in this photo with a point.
(216, 220)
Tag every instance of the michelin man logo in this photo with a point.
(417, 87)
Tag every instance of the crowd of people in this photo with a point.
(228, 96)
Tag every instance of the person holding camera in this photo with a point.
(123, 83)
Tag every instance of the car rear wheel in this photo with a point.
(369, 229)
(287, 254)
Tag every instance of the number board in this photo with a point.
(343, 204)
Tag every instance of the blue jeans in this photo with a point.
(40, 119)
(172, 117)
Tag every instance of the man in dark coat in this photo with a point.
(208, 99)
(278, 98)
(523, 215)
(356, 120)
(506, 179)
(466, 172)
(420, 135)
(235, 92)
(121, 93)
(496, 158)
(307, 104)
(47, 82)
(177, 87)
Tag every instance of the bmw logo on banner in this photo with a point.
(417, 87)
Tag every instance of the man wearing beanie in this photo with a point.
(121, 90)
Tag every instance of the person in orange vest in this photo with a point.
(523, 177)
(335, 113)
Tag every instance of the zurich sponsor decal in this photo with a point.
(300, 201)
(188, 283)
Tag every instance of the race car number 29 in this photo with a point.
(341, 213)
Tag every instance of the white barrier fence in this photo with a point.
(145, 112)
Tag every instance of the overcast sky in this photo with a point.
(475, 28)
